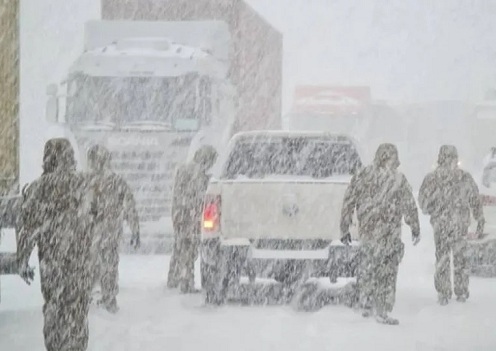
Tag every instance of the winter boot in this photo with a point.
(172, 283)
(383, 318)
(462, 298)
(367, 312)
(442, 300)
(110, 306)
(188, 287)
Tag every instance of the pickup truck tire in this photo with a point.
(224, 276)
(212, 278)
(233, 258)
(212, 272)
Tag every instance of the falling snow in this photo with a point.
(247, 174)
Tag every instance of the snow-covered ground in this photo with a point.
(154, 318)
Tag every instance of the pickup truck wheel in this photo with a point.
(215, 291)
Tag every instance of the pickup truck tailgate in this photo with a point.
(282, 209)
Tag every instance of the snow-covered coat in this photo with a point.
(55, 215)
(449, 193)
(114, 201)
(381, 197)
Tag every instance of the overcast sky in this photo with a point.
(407, 50)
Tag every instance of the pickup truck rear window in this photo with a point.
(306, 157)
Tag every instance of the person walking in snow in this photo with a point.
(55, 216)
(113, 204)
(190, 185)
(381, 197)
(447, 195)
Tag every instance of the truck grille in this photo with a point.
(149, 175)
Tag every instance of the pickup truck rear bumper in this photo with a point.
(333, 261)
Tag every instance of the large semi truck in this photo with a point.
(255, 52)
(153, 88)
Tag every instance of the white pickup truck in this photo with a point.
(274, 211)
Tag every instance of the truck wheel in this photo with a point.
(216, 279)
(224, 276)
(233, 276)
(214, 287)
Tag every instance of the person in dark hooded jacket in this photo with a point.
(113, 204)
(190, 186)
(381, 197)
(447, 195)
(55, 216)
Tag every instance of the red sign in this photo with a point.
(330, 100)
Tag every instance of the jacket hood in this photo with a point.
(58, 155)
(448, 156)
(386, 156)
(98, 158)
(205, 157)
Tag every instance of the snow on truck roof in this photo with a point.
(155, 48)
(212, 37)
(149, 46)
(148, 57)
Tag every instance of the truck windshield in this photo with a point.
(129, 100)
(316, 158)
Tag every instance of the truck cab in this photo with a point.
(145, 90)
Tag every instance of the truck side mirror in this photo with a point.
(52, 105)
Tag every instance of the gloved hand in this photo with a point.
(27, 274)
(135, 241)
(480, 228)
(346, 239)
(415, 238)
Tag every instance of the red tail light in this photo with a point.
(211, 214)
(488, 200)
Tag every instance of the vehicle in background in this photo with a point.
(336, 109)
(348, 110)
(481, 131)
(482, 251)
(152, 85)
(275, 209)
